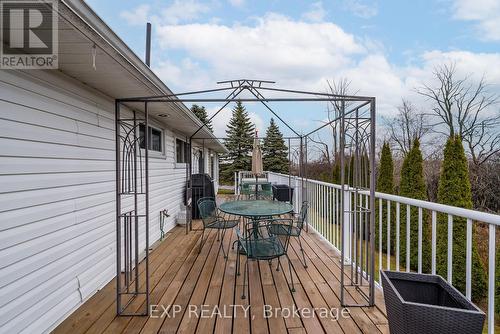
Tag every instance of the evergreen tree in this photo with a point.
(413, 186)
(239, 143)
(454, 189)
(274, 150)
(201, 113)
(385, 179)
(359, 177)
(385, 184)
(349, 172)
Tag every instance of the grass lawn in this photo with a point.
(223, 191)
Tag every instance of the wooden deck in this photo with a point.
(181, 276)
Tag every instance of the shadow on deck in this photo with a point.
(208, 294)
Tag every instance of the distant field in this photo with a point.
(225, 191)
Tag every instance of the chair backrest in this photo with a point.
(260, 247)
(266, 187)
(245, 187)
(302, 215)
(208, 210)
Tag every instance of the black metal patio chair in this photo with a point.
(212, 218)
(245, 190)
(295, 230)
(266, 191)
(264, 247)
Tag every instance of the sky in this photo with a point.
(385, 48)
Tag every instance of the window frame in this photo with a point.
(212, 165)
(151, 128)
(185, 151)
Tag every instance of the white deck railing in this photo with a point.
(324, 203)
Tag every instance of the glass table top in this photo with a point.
(256, 208)
(254, 182)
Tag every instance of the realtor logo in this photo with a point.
(28, 34)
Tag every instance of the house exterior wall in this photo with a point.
(57, 196)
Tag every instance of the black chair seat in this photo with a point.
(213, 220)
(264, 248)
(279, 229)
(221, 224)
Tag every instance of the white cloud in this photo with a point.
(375, 76)
(485, 13)
(298, 54)
(360, 9)
(177, 12)
(258, 122)
(237, 3)
(220, 121)
(136, 16)
(468, 63)
(290, 51)
(187, 74)
(182, 11)
(316, 13)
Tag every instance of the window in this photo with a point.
(201, 162)
(212, 166)
(182, 150)
(155, 138)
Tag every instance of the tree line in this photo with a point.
(239, 140)
(460, 136)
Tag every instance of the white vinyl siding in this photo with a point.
(57, 197)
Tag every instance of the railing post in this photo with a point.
(468, 260)
(298, 197)
(433, 243)
(419, 265)
(380, 237)
(346, 238)
(236, 190)
(491, 279)
(397, 235)
(388, 235)
(449, 275)
(408, 238)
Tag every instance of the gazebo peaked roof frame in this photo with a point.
(132, 173)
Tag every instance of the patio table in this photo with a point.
(255, 182)
(256, 209)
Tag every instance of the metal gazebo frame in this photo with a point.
(132, 181)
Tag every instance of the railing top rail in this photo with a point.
(484, 217)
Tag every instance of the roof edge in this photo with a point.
(96, 23)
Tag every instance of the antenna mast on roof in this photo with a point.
(148, 44)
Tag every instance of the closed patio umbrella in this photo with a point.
(257, 168)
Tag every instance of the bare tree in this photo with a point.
(483, 140)
(409, 124)
(334, 108)
(485, 182)
(322, 148)
(464, 108)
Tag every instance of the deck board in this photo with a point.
(181, 275)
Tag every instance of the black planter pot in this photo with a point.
(422, 303)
